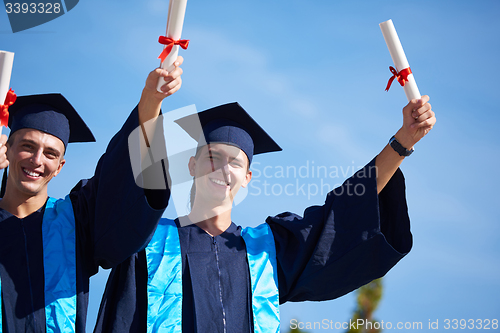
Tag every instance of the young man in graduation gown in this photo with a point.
(203, 273)
(50, 248)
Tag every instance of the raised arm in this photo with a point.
(357, 235)
(117, 217)
(418, 120)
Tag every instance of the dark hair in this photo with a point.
(11, 138)
(192, 194)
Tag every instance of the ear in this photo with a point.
(192, 165)
(9, 149)
(248, 178)
(61, 164)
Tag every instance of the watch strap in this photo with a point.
(402, 151)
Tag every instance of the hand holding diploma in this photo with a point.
(418, 117)
(418, 120)
(172, 41)
(151, 98)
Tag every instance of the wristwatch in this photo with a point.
(402, 151)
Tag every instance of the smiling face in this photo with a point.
(35, 157)
(220, 170)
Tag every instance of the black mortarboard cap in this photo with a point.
(49, 113)
(229, 124)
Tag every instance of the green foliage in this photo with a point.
(368, 299)
(296, 330)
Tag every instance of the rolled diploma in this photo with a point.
(6, 62)
(399, 58)
(175, 21)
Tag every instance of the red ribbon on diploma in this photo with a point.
(402, 76)
(169, 42)
(4, 108)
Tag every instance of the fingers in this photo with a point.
(4, 163)
(414, 105)
(422, 114)
(428, 119)
(172, 87)
(154, 75)
(151, 98)
(172, 79)
(3, 152)
(419, 102)
(179, 61)
(177, 71)
(418, 120)
(418, 113)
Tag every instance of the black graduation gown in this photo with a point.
(114, 218)
(332, 250)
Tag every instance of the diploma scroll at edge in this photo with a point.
(399, 58)
(175, 22)
(6, 62)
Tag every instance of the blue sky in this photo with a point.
(313, 74)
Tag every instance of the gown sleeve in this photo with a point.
(355, 237)
(115, 217)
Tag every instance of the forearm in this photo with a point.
(418, 120)
(387, 162)
(149, 110)
(149, 106)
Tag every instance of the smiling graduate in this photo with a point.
(49, 248)
(203, 273)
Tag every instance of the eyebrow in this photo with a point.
(216, 153)
(50, 149)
